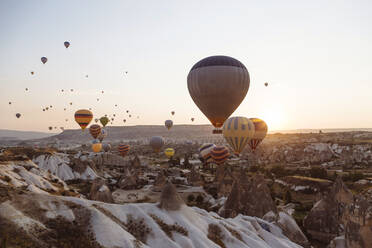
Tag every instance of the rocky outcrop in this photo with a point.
(224, 180)
(194, 178)
(170, 199)
(244, 196)
(160, 181)
(100, 192)
(324, 221)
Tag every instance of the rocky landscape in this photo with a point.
(296, 190)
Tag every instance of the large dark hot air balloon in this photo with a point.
(260, 131)
(169, 124)
(218, 84)
(44, 60)
(67, 44)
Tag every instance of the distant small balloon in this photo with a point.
(67, 44)
(71, 90)
(97, 99)
(70, 103)
(114, 115)
(47, 108)
(18, 115)
(102, 91)
(192, 119)
(130, 116)
(44, 60)
(266, 84)
(127, 111)
(86, 76)
(62, 90)
(10, 103)
(173, 112)
(43, 109)
(116, 105)
(32, 73)
(124, 120)
(26, 89)
(50, 128)
(96, 120)
(64, 109)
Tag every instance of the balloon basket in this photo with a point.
(217, 131)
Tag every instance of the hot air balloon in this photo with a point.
(50, 128)
(47, 108)
(114, 115)
(44, 110)
(156, 142)
(26, 89)
(169, 152)
(10, 103)
(112, 119)
(102, 91)
(18, 115)
(205, 152)
(260, 131)
(123, 149)
(97, 99)
(51, 106)
(62, 128)
(67, 44)
(130, 116)
(64, 109)
(102, 134)
(83, 117)
(32, 73)
(168, 124)
(106, 147)
(124, 120)
(66, 119)
(71, 90)
(127, 111)
(70, 103)
(266, 84)
(220, 154)
(96, 120)
(62, 90)
(116, 105)
(192, 119)
(86, 76)
(97, 147)
(104, 120)
(126, 72)
(173, 112)
(44, 60)
(237, 132)
(95, 130)
(217, 85)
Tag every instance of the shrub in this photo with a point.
(137, 227)
(199, 199)
(190, 198)
(214, 234)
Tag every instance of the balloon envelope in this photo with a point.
(260, 131)
(217, 85)
(123, 149)
(168, 124)
(97, 147)
(104, 120)
(205, 152)
(67, 44)
(238, 131)
(106, 147)
(220, 154)
(44, 60)
(156, 143)
(83, 117)
(102, 134)
(95, 130)
(169, 152)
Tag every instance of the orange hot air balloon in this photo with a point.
(217, 85)
(123, 149)
(260, 131)
(97, 147)
(95, 130)
(83, 117)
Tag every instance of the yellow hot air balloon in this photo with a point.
(96, 147)
(260, 131)
(83, 117)
(169, 152)
(237, 132)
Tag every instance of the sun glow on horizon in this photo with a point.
(274, 118)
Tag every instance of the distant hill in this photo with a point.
(22, 135)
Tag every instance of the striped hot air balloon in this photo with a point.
(83, 117)
(168, 124)
(237, 132)
(95, 130)
(205, 152)
(220, 154)
(260, 131)
(123, 149)
(102, 134)
(169, 152)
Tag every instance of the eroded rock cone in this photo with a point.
(160, 181)
(252, 199)
(100, 192)
(194, 178)
(170, 199)
(324, 221)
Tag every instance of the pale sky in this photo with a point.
(316, 56)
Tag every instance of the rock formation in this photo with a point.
(100, 192)
(170, 199)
